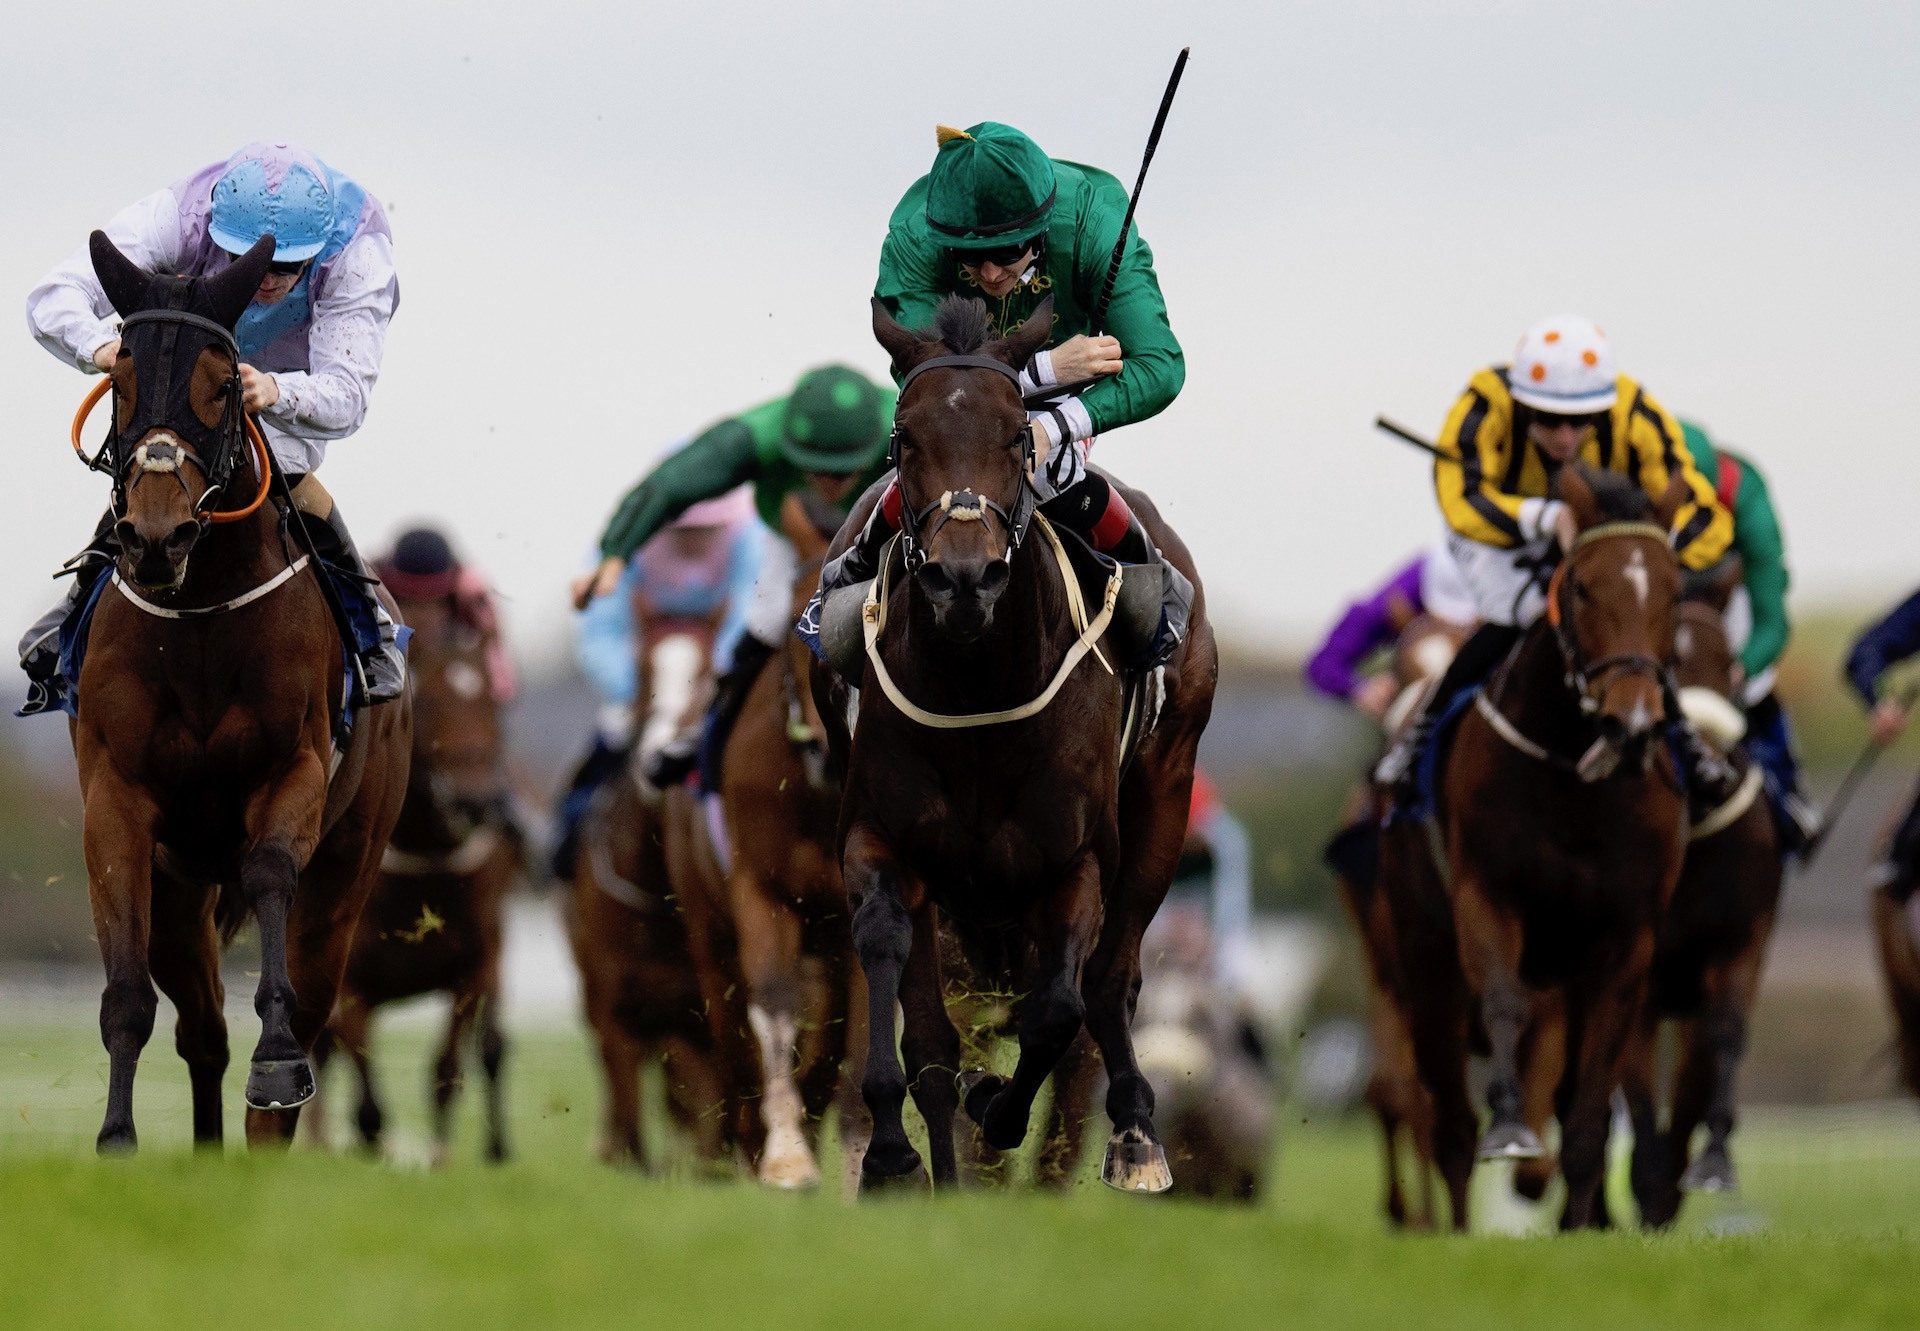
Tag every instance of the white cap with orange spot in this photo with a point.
(1564, 365)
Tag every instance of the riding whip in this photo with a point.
(1098, 320)
(1405, 435)
(1851, 781)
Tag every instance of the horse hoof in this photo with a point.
(910, 1181)
(1712, 1172)
(977, 1089)
(1135, 1163)
(790, 1173)
(117, 1143)
(1510, 1141)
(280, 1083)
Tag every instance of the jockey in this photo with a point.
(1428, 584)
(828, 437)
(701, 568)
(999, 219)
(1886, 644)
(1757, 623)
(1511, 431)
(423, 567)
(310, 348)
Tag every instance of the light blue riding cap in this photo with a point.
(273, 188)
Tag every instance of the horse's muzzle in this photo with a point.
(963, 593)
(157, 561)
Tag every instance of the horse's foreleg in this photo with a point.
(493, 1055)
(1654, 1172)
(447, 1076)
(1063, 929)
(1724, 1032)
(1544, 1063)
(929, 1044)
(883, 894)
(770, 960)
(1490, 945)
(120, 821)
(185, 958)
(1610, 996)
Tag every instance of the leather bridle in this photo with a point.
(961, 505)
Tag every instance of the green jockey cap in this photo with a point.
(990, 187)
(836, 422)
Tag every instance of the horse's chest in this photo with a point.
(986, 848)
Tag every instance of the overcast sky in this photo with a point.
(615, 224)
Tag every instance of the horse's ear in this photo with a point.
(1677, 493)
(902, 344)
(1029, 337)
(124, 281)
(801, 526)
(231, 291)
(1572, 489)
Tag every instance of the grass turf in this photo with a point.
(1827, 1232)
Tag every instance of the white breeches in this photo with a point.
(770, 615)
(1505, 589)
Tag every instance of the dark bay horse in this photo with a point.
(643, 996)
(1562, 827)
(1024, 833)
(207, 704)
(434, 921)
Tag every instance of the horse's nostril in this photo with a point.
(128, 536)
(935, 579)
(993, 578)
(183, 536)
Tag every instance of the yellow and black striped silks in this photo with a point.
(1486, 497)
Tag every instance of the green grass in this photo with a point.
(554, 1240)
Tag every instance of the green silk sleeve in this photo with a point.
(1763, 552)
(713, 463)
(1153, 368)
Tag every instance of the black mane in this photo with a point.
(961, 324)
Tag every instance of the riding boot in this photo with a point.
(1096, 512)
(1475, 660)
(381, 657)
(1770, 743)
(40, 646)
(1899, 873)
(860, 561)
(1711, 780)
(670, 765)
(602, 763)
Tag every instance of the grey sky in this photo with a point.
(615, 224)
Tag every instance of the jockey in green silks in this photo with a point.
(998, 219)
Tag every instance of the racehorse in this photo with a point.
(434, 921)
(1896, 924)
(642, 995)
(1562, 825)
(1394, 1091)
(208, 702)
(1712, 943)
(781, 925)
(1022, 830)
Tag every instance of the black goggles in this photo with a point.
(280, 267)
(1003, 256)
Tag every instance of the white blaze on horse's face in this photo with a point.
(1636, 573)
(674, 667)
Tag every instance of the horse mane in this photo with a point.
(961, 324)
(1619, 498)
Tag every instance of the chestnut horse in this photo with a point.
(1024, 832)
(1562, 827)
(643, 997)
(768, 916)
(434, 921)
(208, 700)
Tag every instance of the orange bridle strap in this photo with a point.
(260, 460)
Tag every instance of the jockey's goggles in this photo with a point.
(281, 267)
(1006, 256)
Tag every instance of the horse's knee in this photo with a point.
(1054, 1016)
(127, 1010)
(882, 931)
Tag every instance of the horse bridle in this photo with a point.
(1582, 675)
(961, 505)
(216, 449)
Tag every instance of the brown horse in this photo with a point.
(642, 995)
(1562, 829)
(1394, 1092)
(1896, 924)
(1023, 832)
(205, 736)
(434, 921)
(1712, 944)
(774, 918)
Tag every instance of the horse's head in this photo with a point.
(809, 522)
(457, 733)
(1611, 603)
(1703, 654)
(177, 423)
(963, 448)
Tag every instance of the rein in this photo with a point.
(873, 618)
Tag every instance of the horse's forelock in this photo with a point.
(1619, 498)
(961, 324)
